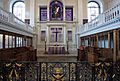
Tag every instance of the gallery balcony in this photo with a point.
(9, 22)
(106, 21)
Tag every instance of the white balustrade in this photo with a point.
(9, 18)
(107, 17)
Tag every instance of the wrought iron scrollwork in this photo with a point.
(85, 71)
(116, 72)
(103, 71)
(59, 71)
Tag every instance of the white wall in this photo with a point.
(1, 3)
(4, 4)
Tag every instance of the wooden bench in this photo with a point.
(20, 54)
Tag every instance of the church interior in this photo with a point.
(59, 40)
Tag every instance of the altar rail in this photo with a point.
(9, 19)
(110, 17)
(59, 71)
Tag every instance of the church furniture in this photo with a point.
(20, 54)
(56, 49)
(95, 54)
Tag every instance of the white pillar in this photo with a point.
(64, 34)
(39, 34)
(48, 34)
(73, 33)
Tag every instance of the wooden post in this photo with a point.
(118, 43)
(115, 45)
(104, 35)
(108, 39)
(100, 40)
(96, 40)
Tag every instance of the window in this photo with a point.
(13, 41)
(69, 35)
(43, 35)
(10, 41)
(103, 42)
(24, 41)
(43, 13)
(99, 41)
(29, 41)
(56, 35)
(69, 13)
(1, 41)
(56, 10)
(111, 40)
(20, 41)
(106, 41)
(6, 41)
(18, 9)
(17, 41)
(93, 10)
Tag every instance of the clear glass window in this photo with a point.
(10, 41)
(69, 35)
(93, 10)
(1, 41)
(6, 41)
(19, 10)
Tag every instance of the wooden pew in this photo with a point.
(20, 54)
(95, 54)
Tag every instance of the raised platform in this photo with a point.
(57, 57)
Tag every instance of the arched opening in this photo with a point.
(18, 9)
(93, 10)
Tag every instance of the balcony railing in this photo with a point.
(59, 71)
(109, 17)
(9, 19)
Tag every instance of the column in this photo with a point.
(100, 40)
(78, 40)
(73, 32)
(64, 34)
(96, 40)
(115, 45)
(48, 16)
(108, 39)
(32, 12)
(118, 43)
(39, 34)
(48, 34)
(88, 41)
(104, 39)
(64, 19)
(34, 41)
(4, 40)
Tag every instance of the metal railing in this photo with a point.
(59, 71)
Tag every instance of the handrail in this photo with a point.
(9, 18)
